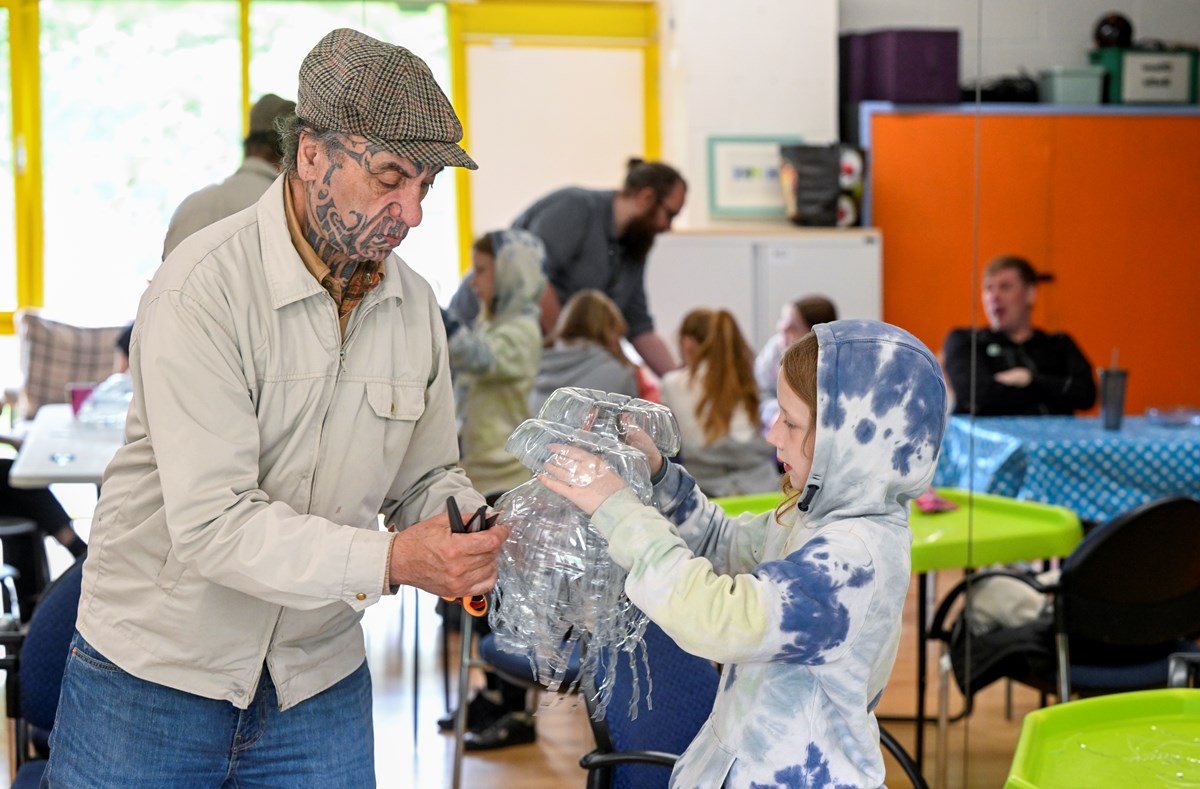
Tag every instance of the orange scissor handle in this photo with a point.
(476, 605)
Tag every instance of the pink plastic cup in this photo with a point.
(78, 392)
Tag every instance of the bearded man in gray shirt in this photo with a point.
(599, 238)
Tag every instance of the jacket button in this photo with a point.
(360, 596)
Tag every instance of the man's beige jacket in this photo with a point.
(239, 524)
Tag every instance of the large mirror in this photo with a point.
(1061, 134)
(1097, 430)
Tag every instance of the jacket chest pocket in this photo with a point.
(402, 401)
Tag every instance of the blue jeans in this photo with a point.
(115, 730)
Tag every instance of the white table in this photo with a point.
(60, 448)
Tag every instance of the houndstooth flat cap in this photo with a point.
(354, 84)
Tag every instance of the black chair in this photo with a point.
(10, 619)
(902, 757)
(25, 551)
(1126, 599)
(34, 659)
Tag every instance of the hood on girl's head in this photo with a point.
(519, 279)
(881, 412)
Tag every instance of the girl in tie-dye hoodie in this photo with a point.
(802, 605)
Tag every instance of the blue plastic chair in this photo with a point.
(514, 667)
(511, 667)
(638, 753)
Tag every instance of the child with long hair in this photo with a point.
(715, 399)
(586, 351)
(795, 320)
(802, 605)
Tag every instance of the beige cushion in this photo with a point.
(54, 354)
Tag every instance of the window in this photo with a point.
(142, 103)
(140, 106)
(282, 33)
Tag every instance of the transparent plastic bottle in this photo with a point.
(109, 402)
(558, 589)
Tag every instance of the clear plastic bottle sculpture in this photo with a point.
(611, 414)
(558, 590)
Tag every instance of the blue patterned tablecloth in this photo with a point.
(1072, 461)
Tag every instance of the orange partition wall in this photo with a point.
(1107, 203)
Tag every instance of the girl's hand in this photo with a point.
(635, 437)
(580, 477)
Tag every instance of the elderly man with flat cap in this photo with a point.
(260, 168)
(290, 386)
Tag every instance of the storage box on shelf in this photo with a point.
(1071, 85)
(1137, 76)
(911, 66)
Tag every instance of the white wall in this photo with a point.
(561, 132)
(753, 67)
(1006, 36)
(768, 67)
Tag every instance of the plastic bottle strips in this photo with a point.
(558, 590)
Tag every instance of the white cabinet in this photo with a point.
(753, 272)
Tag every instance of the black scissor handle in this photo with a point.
(456, 521)
(480, 520)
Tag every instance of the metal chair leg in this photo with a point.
(446, 662)
(416, 676)
(943, 738)
(460, 718)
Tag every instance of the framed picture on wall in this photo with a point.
(743, 175)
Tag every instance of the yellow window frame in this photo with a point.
(582, 24)
(25, 79)
(25, 85)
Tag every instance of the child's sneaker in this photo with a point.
(515, 728)
(481, 713)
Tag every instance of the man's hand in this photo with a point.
(428, 556)
(1020, 377)
(580, 477)
(655, 353)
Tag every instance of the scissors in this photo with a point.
(476, 605)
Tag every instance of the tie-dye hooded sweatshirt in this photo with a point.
(804, 612)
(498, 359)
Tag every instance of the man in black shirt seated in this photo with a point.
(1019, 370)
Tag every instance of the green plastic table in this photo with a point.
(762, 502)
(984, 530)
(1136, 739)
(992, 530)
